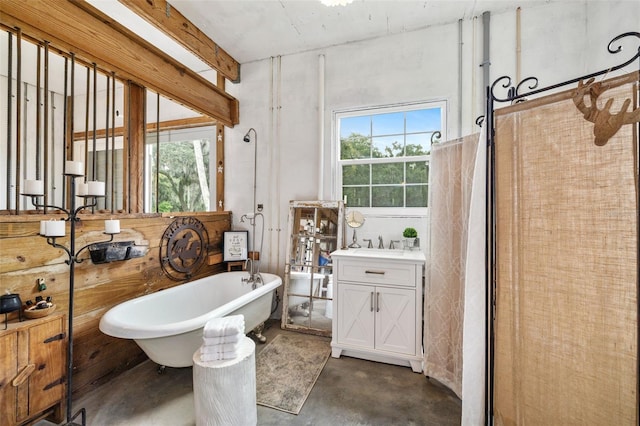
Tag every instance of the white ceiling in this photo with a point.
(250, 30)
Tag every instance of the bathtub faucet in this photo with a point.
(254, 275)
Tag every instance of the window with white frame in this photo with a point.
(383, 154)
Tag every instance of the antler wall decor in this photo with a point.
(605, 123)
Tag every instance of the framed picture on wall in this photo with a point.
(235, 245)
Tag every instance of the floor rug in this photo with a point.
(287, 368)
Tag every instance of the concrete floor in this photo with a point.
(349, 391)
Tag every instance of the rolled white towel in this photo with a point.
(234, 338)
(218, 356)
(225, 326)
(215, 349)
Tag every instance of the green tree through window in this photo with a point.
(182, 171)
(179, 185)
(384, 155)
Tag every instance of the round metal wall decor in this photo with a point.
(183, 248)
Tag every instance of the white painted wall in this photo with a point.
(279, 98)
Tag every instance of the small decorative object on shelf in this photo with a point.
(35, 311)
(410, 235)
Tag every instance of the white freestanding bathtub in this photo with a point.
(168, 324)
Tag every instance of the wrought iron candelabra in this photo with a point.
(53, 229)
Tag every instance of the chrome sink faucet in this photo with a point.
(380, 243)
(392, 245)
(369, 240)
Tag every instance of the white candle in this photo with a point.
(43, 227)
(55, 228)
(33, 187)
(96, 188)
(82, 189)
(112, 226)
(74, 168)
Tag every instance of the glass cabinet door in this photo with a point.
(315, 230)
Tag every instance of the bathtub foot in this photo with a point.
(257, 333)
(161, 369)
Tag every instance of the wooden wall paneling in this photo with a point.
(26, 257)
(99, 356)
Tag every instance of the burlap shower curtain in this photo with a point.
(454, 296)
(566, 257)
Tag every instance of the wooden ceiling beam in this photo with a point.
(177, 124)
(75, 26)
(169, 20)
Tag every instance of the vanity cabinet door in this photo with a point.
(32, 370)
(8, 371)
(356, 315)
(47, 349)
(395, 320)
(381, 318)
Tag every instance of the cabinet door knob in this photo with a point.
(371, 301)
(24, 375)
(377, 301)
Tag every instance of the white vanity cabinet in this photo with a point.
(378, 299)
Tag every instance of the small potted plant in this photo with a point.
(410, 235)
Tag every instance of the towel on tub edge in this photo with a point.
(221, 340)
(225, 326)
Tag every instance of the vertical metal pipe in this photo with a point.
(65, 116)
(321, 107)
(86, 126)
(25, 131)
(128, 156)
(94, 157)
(113, 139)
(45, 166)
(486, 40)
(157, 184)
(95, 114)
(72, 105)
(518, 46)
(460, 77)
(52, 163)
(106, 141)
(488, 120)
(9, 114)
(38, 115)
(18, 114)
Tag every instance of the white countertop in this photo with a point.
(371, 253)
